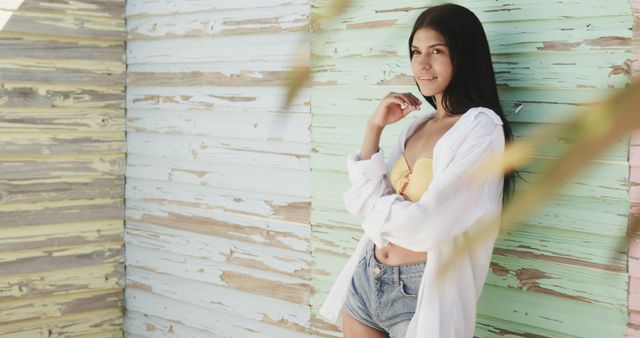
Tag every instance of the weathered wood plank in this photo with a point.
(59, 305)
(550, 313)
(64, 326)
(214, 298)
(520, 105)
(224, 175)
(50, 167)
(100, 73)
(58, 120)
(38, 49)
(244, 202)
(562, 70)
(252, 20)
(224, 125)
(381, 13)
(79, 8)
(231, 99)
(343, 134)
(236, 226)
(60, 190)
(25, 239)
(605, 180)
(65, 281)
(266, 73)
(62, 257)
(559, 279)
(509, 37)
(62, 142)
(262, 149)
(584, 214)
(218, 249)
(216, 323)
(492, 327)
(170, 7)
(241, 49)
(64, 25)
(31, 98)
(266, 283)
(139, 325)
(48, 212)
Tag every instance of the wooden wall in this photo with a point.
(218, 173)
(634, 196)
(559, 274)
(62, 155)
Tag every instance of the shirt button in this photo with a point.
(376, 271)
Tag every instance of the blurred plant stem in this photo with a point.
(296, 79)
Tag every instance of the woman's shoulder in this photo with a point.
(484, 115)
(482, 122)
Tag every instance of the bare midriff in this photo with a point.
(392, 254)
(419, 146)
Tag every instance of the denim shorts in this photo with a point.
(382, 296)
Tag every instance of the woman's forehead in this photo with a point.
(425, 37)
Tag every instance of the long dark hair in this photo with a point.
(473, 81)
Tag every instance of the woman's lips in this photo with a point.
(427, 78)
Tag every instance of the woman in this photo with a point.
(420, 207)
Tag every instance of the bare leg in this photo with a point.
(352, 328)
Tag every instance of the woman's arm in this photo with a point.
(367, 169)
(368, 174)
(452, 203)
(371, 142)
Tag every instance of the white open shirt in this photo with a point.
(439, 223)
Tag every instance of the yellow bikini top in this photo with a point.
(412, 183)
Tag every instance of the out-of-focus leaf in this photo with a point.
(298, 76)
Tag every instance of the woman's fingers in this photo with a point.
(411, 99)
(407, 101)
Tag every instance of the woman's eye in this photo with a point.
(413, 51)
(437, 51)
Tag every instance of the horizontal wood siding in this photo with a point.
(560, 273)
(218, 174)
(62, 161)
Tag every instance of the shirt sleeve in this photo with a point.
(370, 178)
(452, 203)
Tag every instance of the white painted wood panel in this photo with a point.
(218, 173)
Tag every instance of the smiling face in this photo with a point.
(431, 62)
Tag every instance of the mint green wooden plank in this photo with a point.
(573, 34)
(533, 242)
(490, 327)
(567, 316)
(559, 279)
(519, 104)
(545, 277)
(564, 246)
(540, 70)
(574, 213)
(364, 13)
(606, 180)
(599, 179)
(541, 105)
(346, 132)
